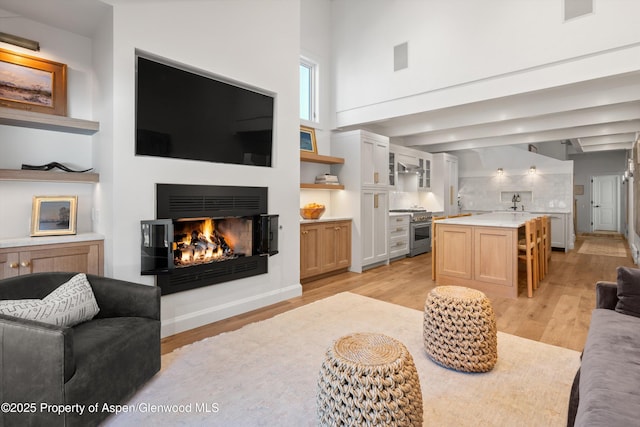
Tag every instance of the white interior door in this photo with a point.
(605, 197)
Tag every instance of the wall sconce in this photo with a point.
(500, 172)
(19, 41)
(630, 168)
(532, 170)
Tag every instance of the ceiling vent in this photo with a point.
(576, 8)
(401, 56)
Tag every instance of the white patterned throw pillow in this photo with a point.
(71, 303)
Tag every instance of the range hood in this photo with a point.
(408, 168)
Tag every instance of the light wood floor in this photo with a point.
(558, 314)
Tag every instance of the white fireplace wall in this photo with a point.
(205, 35)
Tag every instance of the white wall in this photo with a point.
(315, 44)
(481, 188)
(253, 42)
(249, 41)
(458, 51)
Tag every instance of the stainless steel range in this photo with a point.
(420, 230)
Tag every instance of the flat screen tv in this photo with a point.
(185, 115)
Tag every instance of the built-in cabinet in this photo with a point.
(374, 226)
(374, 160)
(325, 247)
(419, 161)
(558, 230)
(479, 257)
(81, 257)
(366, 199)
(444, 183)
(399, 226)
(424, 178)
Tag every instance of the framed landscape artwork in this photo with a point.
(54, 215)
(308, 139)
(32, 84)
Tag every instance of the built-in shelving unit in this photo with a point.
(29, 119)
(327, 160)
(306, 156)
(51, 176)
(322, 186)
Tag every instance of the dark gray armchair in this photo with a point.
(103, 361)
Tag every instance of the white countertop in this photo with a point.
(49, 240)
(325, 219)
(535, 211)
(495, 219)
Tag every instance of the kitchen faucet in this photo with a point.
(515, 199)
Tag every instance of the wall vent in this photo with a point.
(401, 56)
(576, 8)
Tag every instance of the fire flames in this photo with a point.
(201, 243)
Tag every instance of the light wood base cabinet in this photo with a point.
(483, 258)
(81, 257)
(325, 247)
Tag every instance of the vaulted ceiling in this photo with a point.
(596, 115)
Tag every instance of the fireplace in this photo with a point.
(207, 234)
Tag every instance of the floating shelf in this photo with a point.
(53, 176)
(322, 186)
(306, 156)
(29, 119)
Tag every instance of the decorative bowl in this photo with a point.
(311, 213)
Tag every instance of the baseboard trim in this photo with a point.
(213, 314)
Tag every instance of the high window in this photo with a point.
(308, 90)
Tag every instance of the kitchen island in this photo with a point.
(480, 251)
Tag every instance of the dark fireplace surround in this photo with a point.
(207, 234)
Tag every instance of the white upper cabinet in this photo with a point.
(375, 160)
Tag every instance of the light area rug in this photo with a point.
(265, 374)
(605, 247)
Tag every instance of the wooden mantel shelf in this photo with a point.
(306, 156)
(54, 176)
(30, 119)
(322, 186)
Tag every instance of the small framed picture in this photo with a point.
(32, 84)
(308, 139)
(54, 215)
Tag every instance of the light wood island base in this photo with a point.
(480, 251)
(478, 257)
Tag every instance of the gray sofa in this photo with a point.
(104, 360)
(606, 390)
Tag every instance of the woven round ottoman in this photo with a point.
(460, 329)
(369, 379)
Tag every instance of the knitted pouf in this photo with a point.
(460, 329)
(369, 379)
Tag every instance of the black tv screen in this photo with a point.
(185, 115)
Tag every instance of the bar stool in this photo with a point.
(548, 241)
(541, 252)
(546, 244)
(528, 252)
(433, 245)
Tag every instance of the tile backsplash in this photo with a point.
(552, 192)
